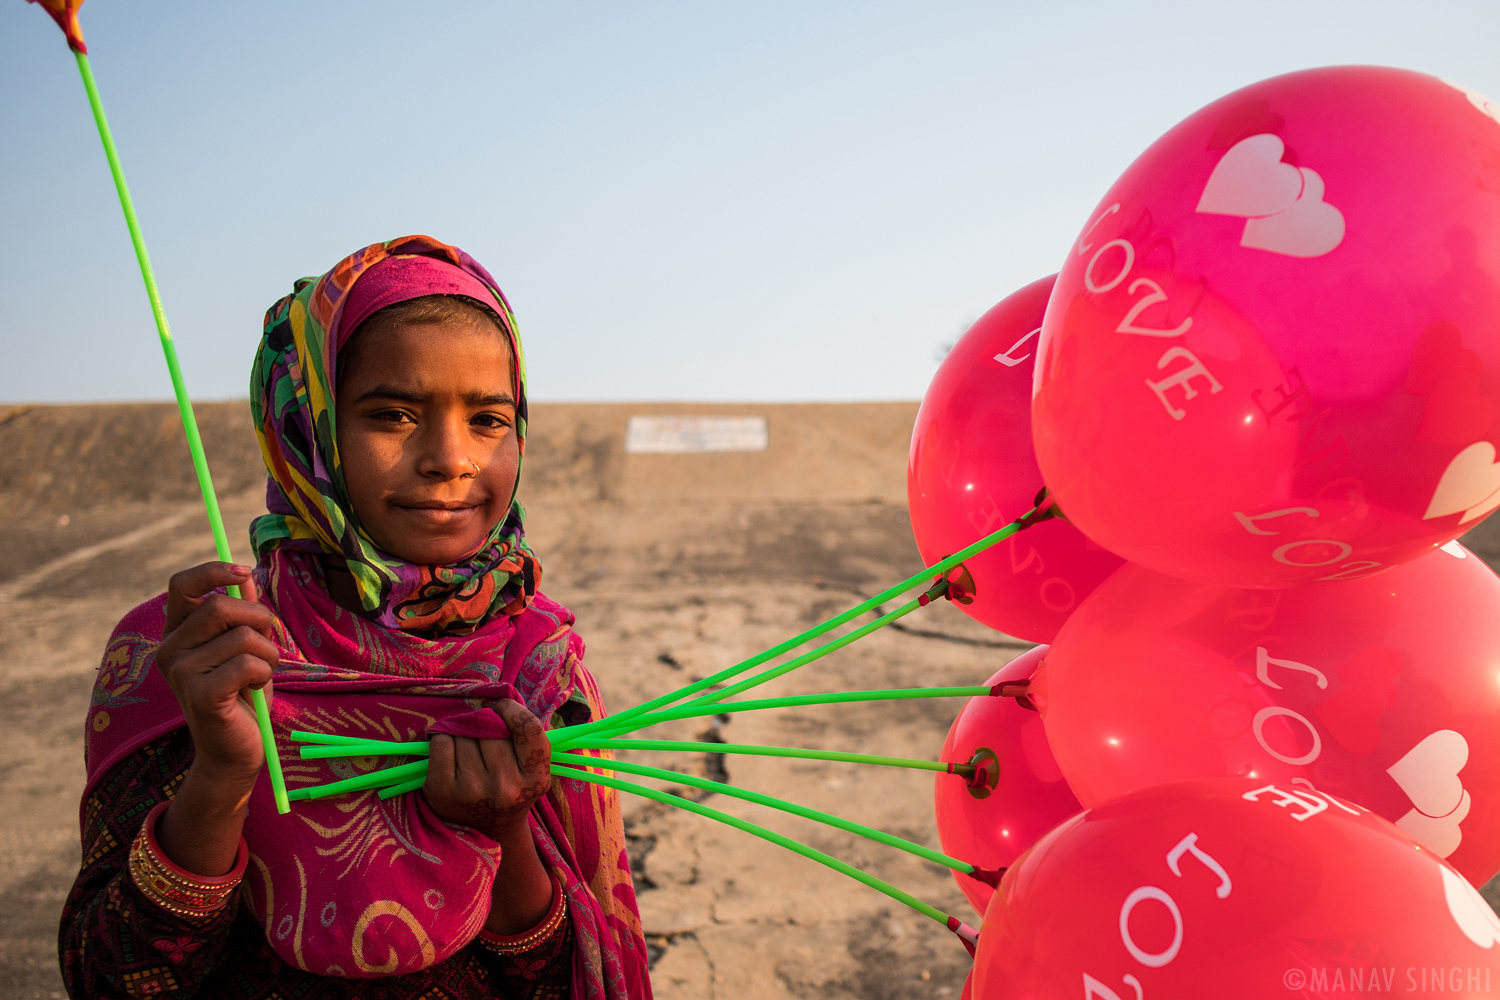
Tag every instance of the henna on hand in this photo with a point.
(490, 785)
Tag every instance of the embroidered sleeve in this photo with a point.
(115, 939)
(536, 965)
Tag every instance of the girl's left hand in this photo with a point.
(491, 784)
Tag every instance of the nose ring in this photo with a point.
(471, 475)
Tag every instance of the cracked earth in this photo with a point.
(676, 566)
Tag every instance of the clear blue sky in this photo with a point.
(702, 201)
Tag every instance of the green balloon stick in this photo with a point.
(421, 748)
(806, 812)
(963, 770)
(404, 778)
(569, 737)
(667, 798)
(417, 748)
(755, 705)
(184, 407)
(362, 782)
(1040, 512)
(821, 651)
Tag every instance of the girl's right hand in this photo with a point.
(214, 650)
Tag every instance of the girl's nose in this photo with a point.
(444, 450)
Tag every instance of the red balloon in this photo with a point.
(1028, 798)
(972, 471)
(1234, 889)
(1273, 355)
(1385, 691)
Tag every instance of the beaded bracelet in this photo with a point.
(169, 887)
(517, 943)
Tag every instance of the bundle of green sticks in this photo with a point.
(569, 742)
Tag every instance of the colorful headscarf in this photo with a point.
(292, 392)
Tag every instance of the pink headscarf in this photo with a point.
(397, 279)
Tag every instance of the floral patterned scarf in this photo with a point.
(292, 392)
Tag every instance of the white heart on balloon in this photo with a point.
(1485, 106)
(1282, 205)
(1428, 774)
(1470, 483)
(1439, 834)
(1251, 180)
(1469, 910)
(1309, 228)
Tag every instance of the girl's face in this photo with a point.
(427, 437)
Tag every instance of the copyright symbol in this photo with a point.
(1294, 979)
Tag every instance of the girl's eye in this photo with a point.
(491, 421)
(393, 416)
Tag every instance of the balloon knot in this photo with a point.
(990, 877)
(968, 935)
(65, 13)
(957, 585)
(1044, 509)
(1012, 689)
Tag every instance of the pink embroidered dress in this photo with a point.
(351, 895)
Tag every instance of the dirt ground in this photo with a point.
(676, 565)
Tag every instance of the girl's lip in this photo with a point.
(439, 514)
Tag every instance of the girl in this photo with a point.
(393, 598)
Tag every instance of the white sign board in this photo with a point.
(677, 435)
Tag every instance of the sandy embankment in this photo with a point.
(677, 565)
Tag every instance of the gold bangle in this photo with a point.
(172, 889)
(516, 944)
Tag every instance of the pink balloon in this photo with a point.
(1238, 890)
(972, 471)
(1384, 691)
(1029, 796)
(1273, 355)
